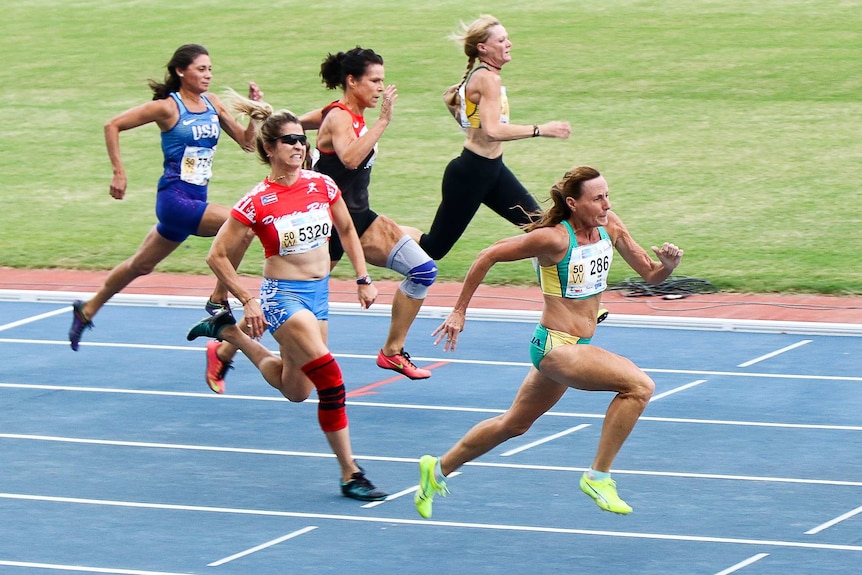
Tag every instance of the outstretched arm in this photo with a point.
(163, 112)
(488, 88)
(543, 241)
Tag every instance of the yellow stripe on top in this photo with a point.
(582, 277)
(549, 281)
(470, 114)
(470, 110)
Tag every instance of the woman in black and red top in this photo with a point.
(347, 149)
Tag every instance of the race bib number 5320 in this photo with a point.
(300, 233)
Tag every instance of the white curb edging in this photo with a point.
(475, 314)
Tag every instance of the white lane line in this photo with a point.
(693, 372)
(413, 460)
(257, 548)
(677, 389)
(402, 493)
(82, 569)
(774, 353)
(700, 372)
(835, 521)
(191, 348)
(741, 564)
(750, 375)
(433, 523)
(546, 439)
(377, 404)
(34, 318)
(65, 343)
(391, 497)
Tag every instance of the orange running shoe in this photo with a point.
(216, 368)
(401, 363)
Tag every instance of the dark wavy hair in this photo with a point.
(337, 67)
(182, 59)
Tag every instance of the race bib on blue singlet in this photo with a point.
(196, 167)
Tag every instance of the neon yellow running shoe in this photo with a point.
(604, 492)
(428, 486)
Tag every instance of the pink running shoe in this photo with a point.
(401, 363)
(216, 368)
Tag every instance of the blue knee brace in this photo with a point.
(420, 271)
(419, 279)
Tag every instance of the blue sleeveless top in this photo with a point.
(190, 145)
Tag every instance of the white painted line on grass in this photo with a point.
(546, 439)
(741, 564)
(257, 548)
(34, 318)
(774, 353)
(835, 521)
(677, 389)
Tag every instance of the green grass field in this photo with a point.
(731, 128)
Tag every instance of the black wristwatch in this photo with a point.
(364, 280)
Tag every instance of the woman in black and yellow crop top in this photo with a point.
(479, 176)
(573, 243)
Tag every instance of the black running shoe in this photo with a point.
(359, 487)
(211, 326)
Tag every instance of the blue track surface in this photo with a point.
(118, 458)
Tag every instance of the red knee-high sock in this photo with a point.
(325, 374)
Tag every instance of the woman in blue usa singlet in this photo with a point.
(191, 121)
(573, 244)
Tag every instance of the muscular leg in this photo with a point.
(414, 233)
(377, 243)
(591, 368)
(379, 239)
(270, 366)
(535, 397)
(152, 250)
(404, 311)
(301, 339)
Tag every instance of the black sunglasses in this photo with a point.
(292, 139)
